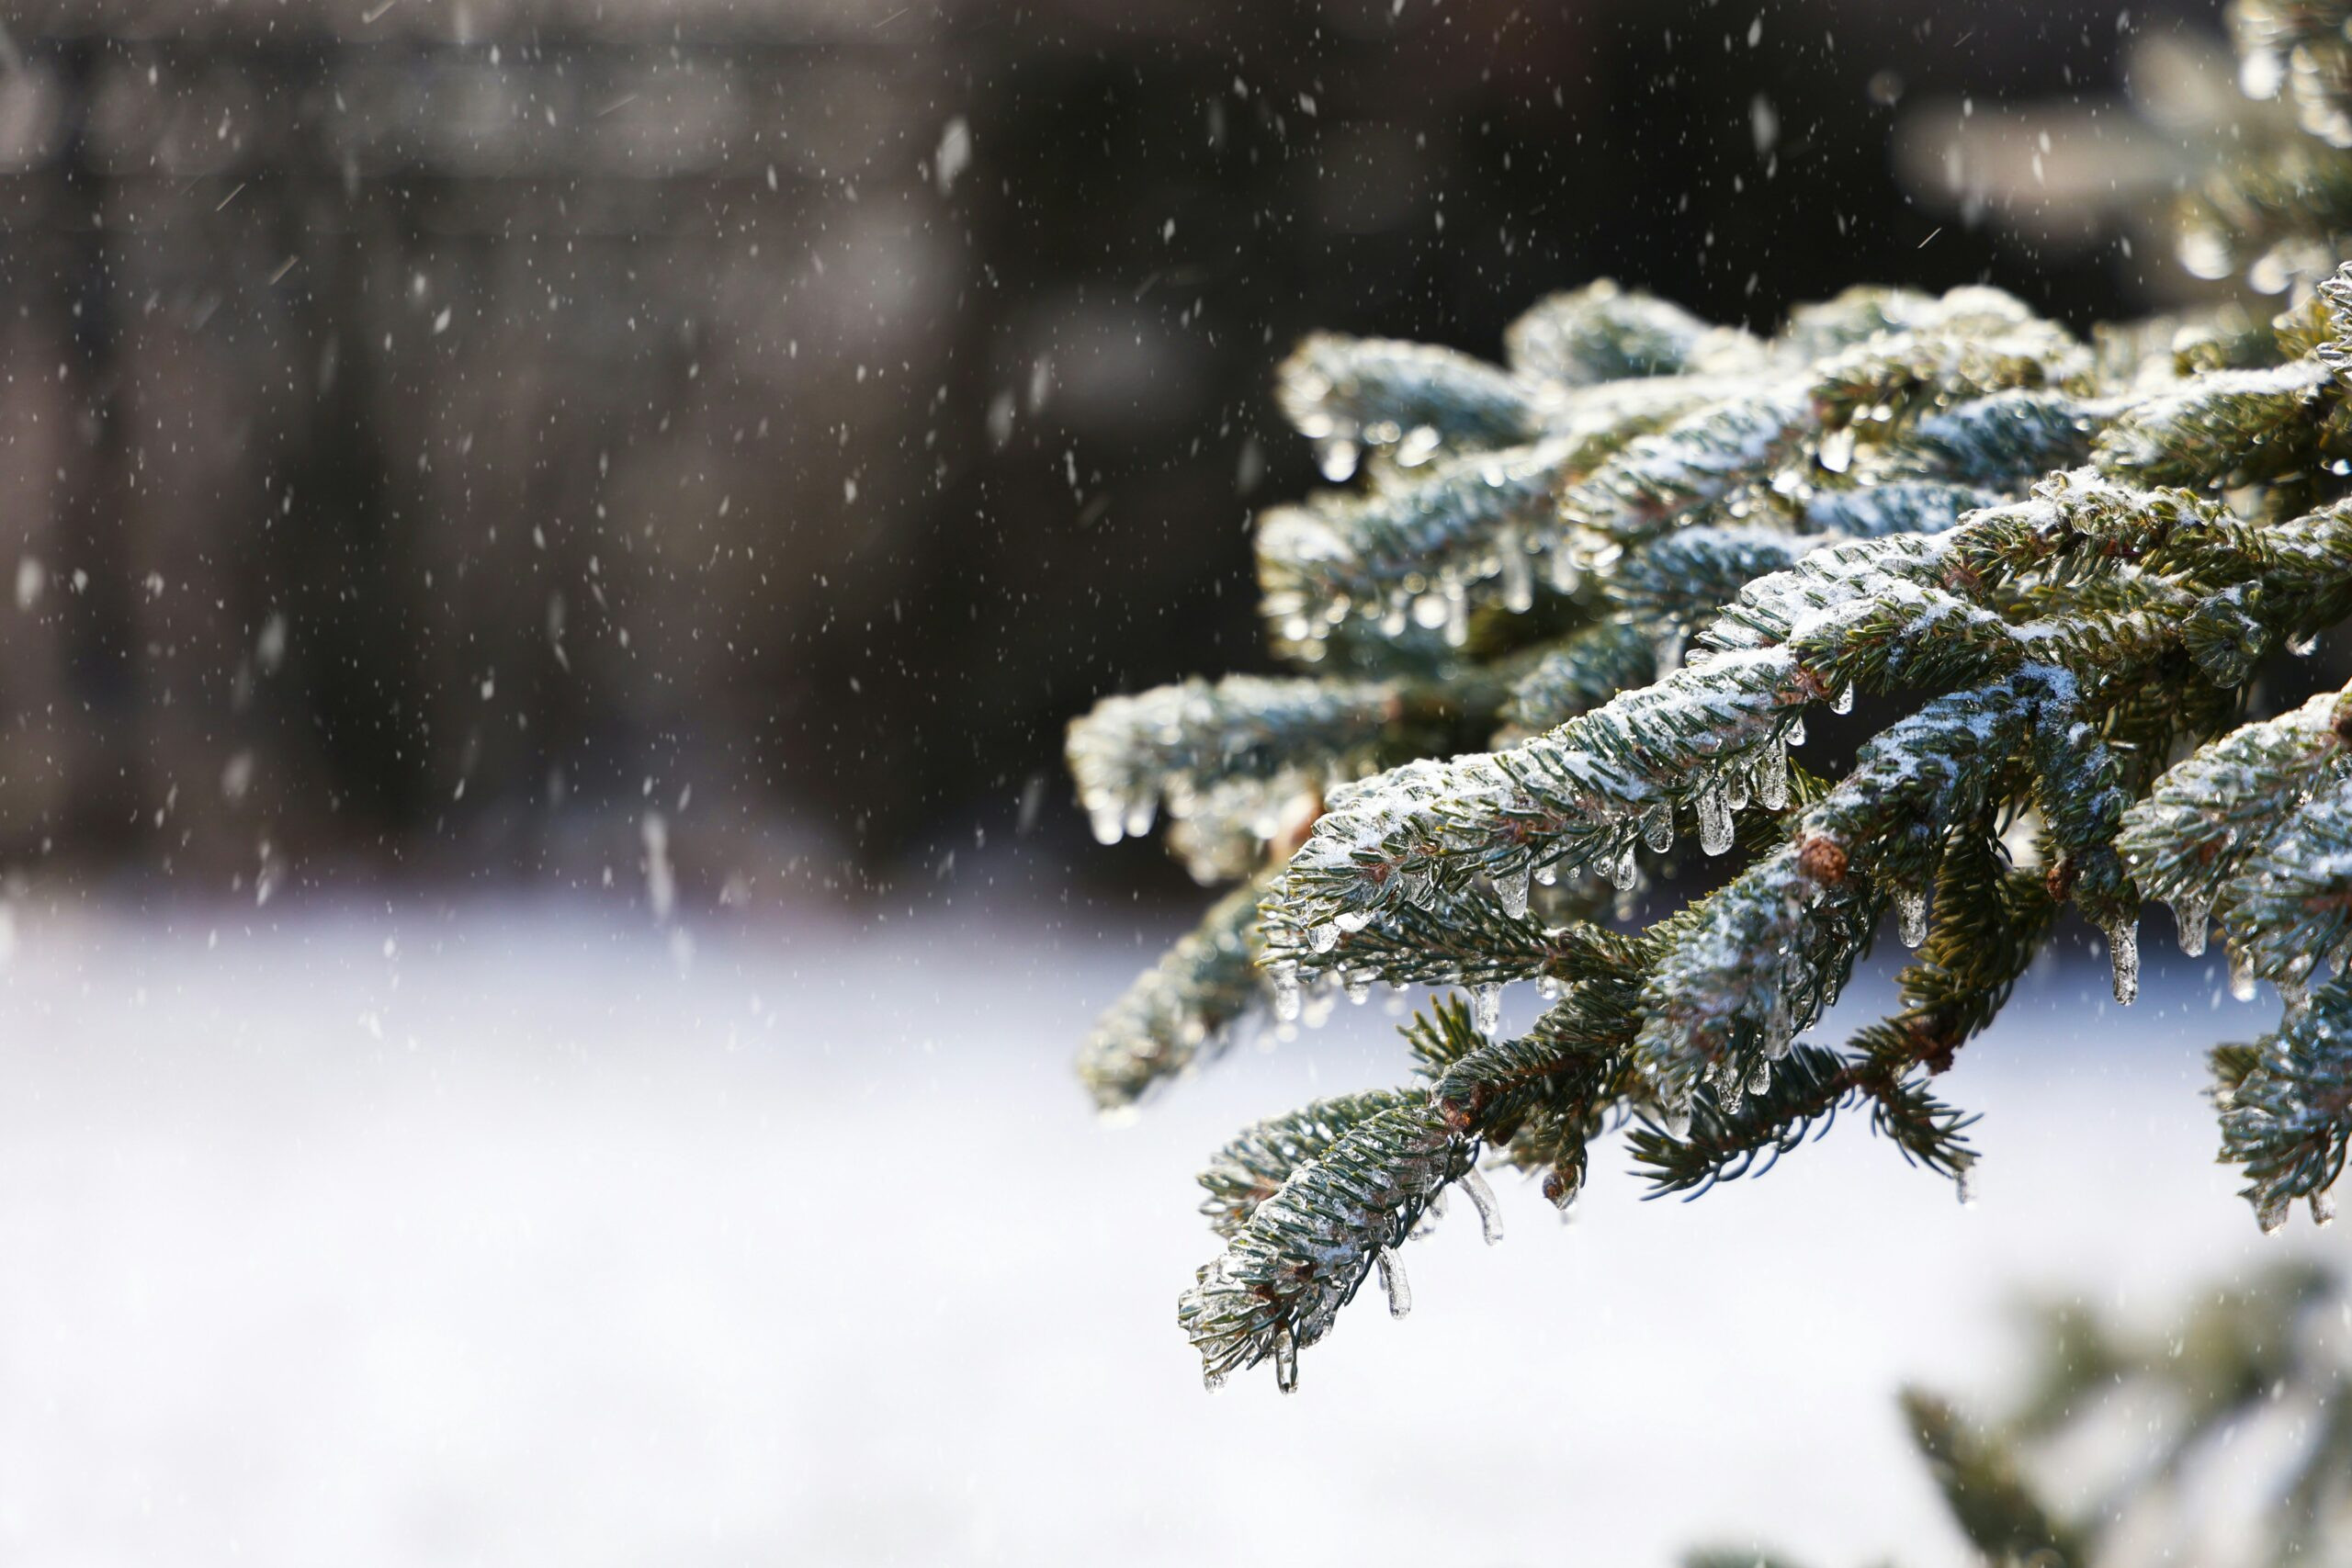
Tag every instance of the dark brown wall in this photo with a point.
(448, 443)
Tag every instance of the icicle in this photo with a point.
(1323, 936)
(1549, 875)
(1911, 915)
(1618, 870)
(1735, 789)
(2123, 957)
(1760, 1080)
(2271, 1213)
(1511, 886)
(1287, 993)
(1773, 776)
(1286, 1360)
(1392, 1280)
(1657, 828)
(1963, 1183)
(1212, 1380)
(1796, 736)
(2324, 1208)
(1109, 822)
(1139, 817)
(1517, 573)
(1674, 1115)
(2241, 974)
(1359, 985)
(1843, 701)
(1722, 1076)
(1486, 1008)
(2193, 911)
(1715, 819)
(1457, 616)
(1482, 1197)
(1336, 460)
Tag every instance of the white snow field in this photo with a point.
(493, 1233)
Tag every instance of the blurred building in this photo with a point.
(440, 432)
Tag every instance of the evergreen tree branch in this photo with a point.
(2068, 563)
(1304, 1252)
(2286, 1106)
(2209, 816)
(1253, 1166)
(1583, 671)
(1600, 333)
(2003, 441)
(1988, 1497)
(1181, 1009)
(1348, 393)
(1894, 506)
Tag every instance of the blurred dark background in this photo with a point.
(437, 434)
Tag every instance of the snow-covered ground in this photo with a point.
(495, 1233)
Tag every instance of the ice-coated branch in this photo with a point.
(1580, 795)
(1416, 548)
(1865, 312)
(1179, 1009)
(1543, 1097)
(1988, 922)
(1769, 953)
(1304, 1251)
(2007, 440)
(1487, 941)
(1989, 1499)
(1758, 960)
(1698, 458)
(1706, 739)
(1885, 381)
(2227, 427)
(2056, 566)
(2333, 344)
(2289, 907)
(1733, 1134)
(1677, 581)
(1600, 333)
(1253, 1166)
(2286, 1105)
(1177, 743)
(1895, 506)
(1583, 671)
(2213, 814)
(1345, 394)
